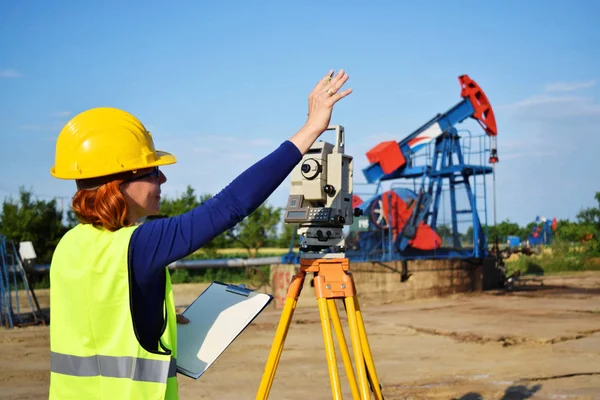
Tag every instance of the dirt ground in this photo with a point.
(539, 342)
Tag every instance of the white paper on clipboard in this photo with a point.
(216, 317)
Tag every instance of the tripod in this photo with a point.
(332, 280)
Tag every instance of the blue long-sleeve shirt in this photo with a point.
(157, 243)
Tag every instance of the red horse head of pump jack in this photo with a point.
(388, 161)
(484, 114)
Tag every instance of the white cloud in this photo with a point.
(546, 144)
(40, 128)
(569, 86)
(259, 142)
(555, 103)
(36, 128)
(240, 156)
(544, 99)
(546, 106)
(528, 145)
(213, 147)
(201, 150)
(226, 149)
(511, 155)
(219, 140)
(62, 114)
(381, 137)
(10, 73)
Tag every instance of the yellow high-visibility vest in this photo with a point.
(95, 353)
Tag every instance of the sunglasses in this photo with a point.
(155, 173)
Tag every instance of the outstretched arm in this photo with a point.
(157, 243)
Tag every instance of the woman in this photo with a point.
(113, 331)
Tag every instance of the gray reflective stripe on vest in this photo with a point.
(137, 369)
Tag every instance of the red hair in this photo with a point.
(104, 206)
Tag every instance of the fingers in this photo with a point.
(339, 79)
(341, 95)
(331, 83)
(337, 82)
(327, 91)
(324, 81)
(321, 100)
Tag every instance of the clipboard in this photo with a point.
(216, 317)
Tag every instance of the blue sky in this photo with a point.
(220, 84)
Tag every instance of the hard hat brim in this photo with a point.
(161, 158)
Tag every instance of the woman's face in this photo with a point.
(143, 193)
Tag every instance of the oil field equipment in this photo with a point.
(15, 289)
(435, 205)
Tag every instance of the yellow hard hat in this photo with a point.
(105, 141)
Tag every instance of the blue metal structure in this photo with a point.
(12, 281)
(434, 160)
(513, 241)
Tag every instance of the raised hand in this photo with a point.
(320, 106)
(322, 98)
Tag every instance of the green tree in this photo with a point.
(257, 229)
(591, 216)
(444, 231)
(573, 231)
(589, 224)
(507, 228)
(187, 202)
(468, 236)
(526, 230)
(285, 239)
(503, 230)
(38, 221)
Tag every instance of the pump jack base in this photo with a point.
(332, 280)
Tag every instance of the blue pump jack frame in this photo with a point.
(456, 173)
(447, 163)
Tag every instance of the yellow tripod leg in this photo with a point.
(339, 333)
(276, 349)
(280, 334)
(334, 376)
(332, 280)
(367, 352)
(363, 383)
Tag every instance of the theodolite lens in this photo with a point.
(310, 169)
(339, 219)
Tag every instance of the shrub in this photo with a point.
(561, 256)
